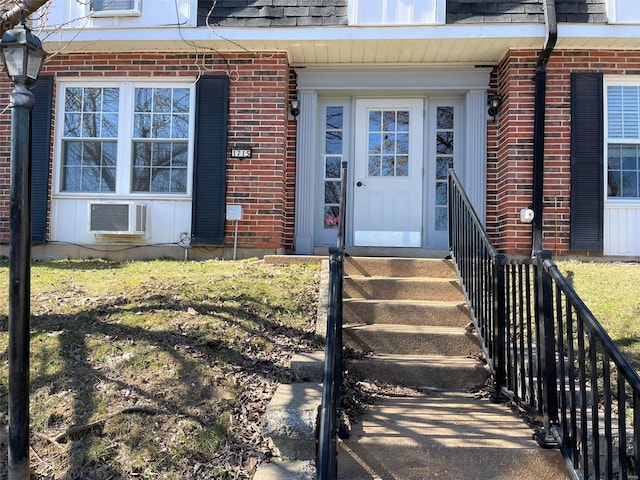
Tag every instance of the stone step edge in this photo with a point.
(290, 420)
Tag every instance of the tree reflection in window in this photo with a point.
(388, 143)
(444, 161)
(333, 155)
(89, 141)
(160, 140)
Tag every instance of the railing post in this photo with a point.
(546, 344)
(499, 324)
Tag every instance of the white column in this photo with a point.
(474, 174)
(305, 172)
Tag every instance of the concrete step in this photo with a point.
(399, 267)
(290, 420)
(286, 471)
(441, 289)
(448, 435)
(411, 340)
(308, 366)
(407, 312)
(432, 371)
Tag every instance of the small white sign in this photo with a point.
(234, 212)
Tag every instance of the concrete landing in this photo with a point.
(445, 435)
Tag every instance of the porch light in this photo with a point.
(494, 101)
(295, 108)
(22, 54)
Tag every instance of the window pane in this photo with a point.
(623, 111)
(402, 166)
(72, 124)
(627, 11)
(331, 217)
(179, 180)
(333, 143)
(442, 220)
(160, 167)
(443, 164)
(180, 126)
(161, 113)
(141, 179)
(334, 118)
(389, 144)
(332, 167)
(445, 142)
(393, 12)
(143, 99)
(388, 166)
(89, 166)
(629, 184)
(181, 100)
(374, 165)
(623, 164)
(142, 126)
(445, 118)
(331, 192)
(99, 5)
(160, 180)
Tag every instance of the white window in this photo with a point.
(623, 141)
(623, 11)
(115, 7)
(126, 139)
(396, 12)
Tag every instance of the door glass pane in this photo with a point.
(388, 147)
(444, 146)
(332, 157)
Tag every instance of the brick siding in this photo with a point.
(510, 144)
(259, 95)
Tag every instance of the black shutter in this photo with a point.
(40, 156)
(210, 162)
(587, 157)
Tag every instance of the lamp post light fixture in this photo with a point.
(23, 57)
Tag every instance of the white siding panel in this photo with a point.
(621, 230)
(154, 13)
(166, 220)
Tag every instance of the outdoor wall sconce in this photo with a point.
(494, 101)
(295, 108)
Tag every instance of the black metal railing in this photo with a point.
(548, 352)
(327, 461)
(477, 262)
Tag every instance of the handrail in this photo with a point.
(479, 266)
(547, 351)
(327, 461)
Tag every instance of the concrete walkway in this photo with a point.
(445, 435)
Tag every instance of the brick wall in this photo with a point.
(510, 144)
(259, 94)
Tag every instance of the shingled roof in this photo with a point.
(272, 13)
(301, 13)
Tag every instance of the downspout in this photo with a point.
(538, 122)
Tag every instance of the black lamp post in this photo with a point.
(23, 57)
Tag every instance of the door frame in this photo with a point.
(315, 83)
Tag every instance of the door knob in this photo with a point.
(360, 184)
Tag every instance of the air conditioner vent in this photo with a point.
(117, 218)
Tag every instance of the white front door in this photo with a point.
(388, 166)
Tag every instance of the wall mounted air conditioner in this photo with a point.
(117, 218)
